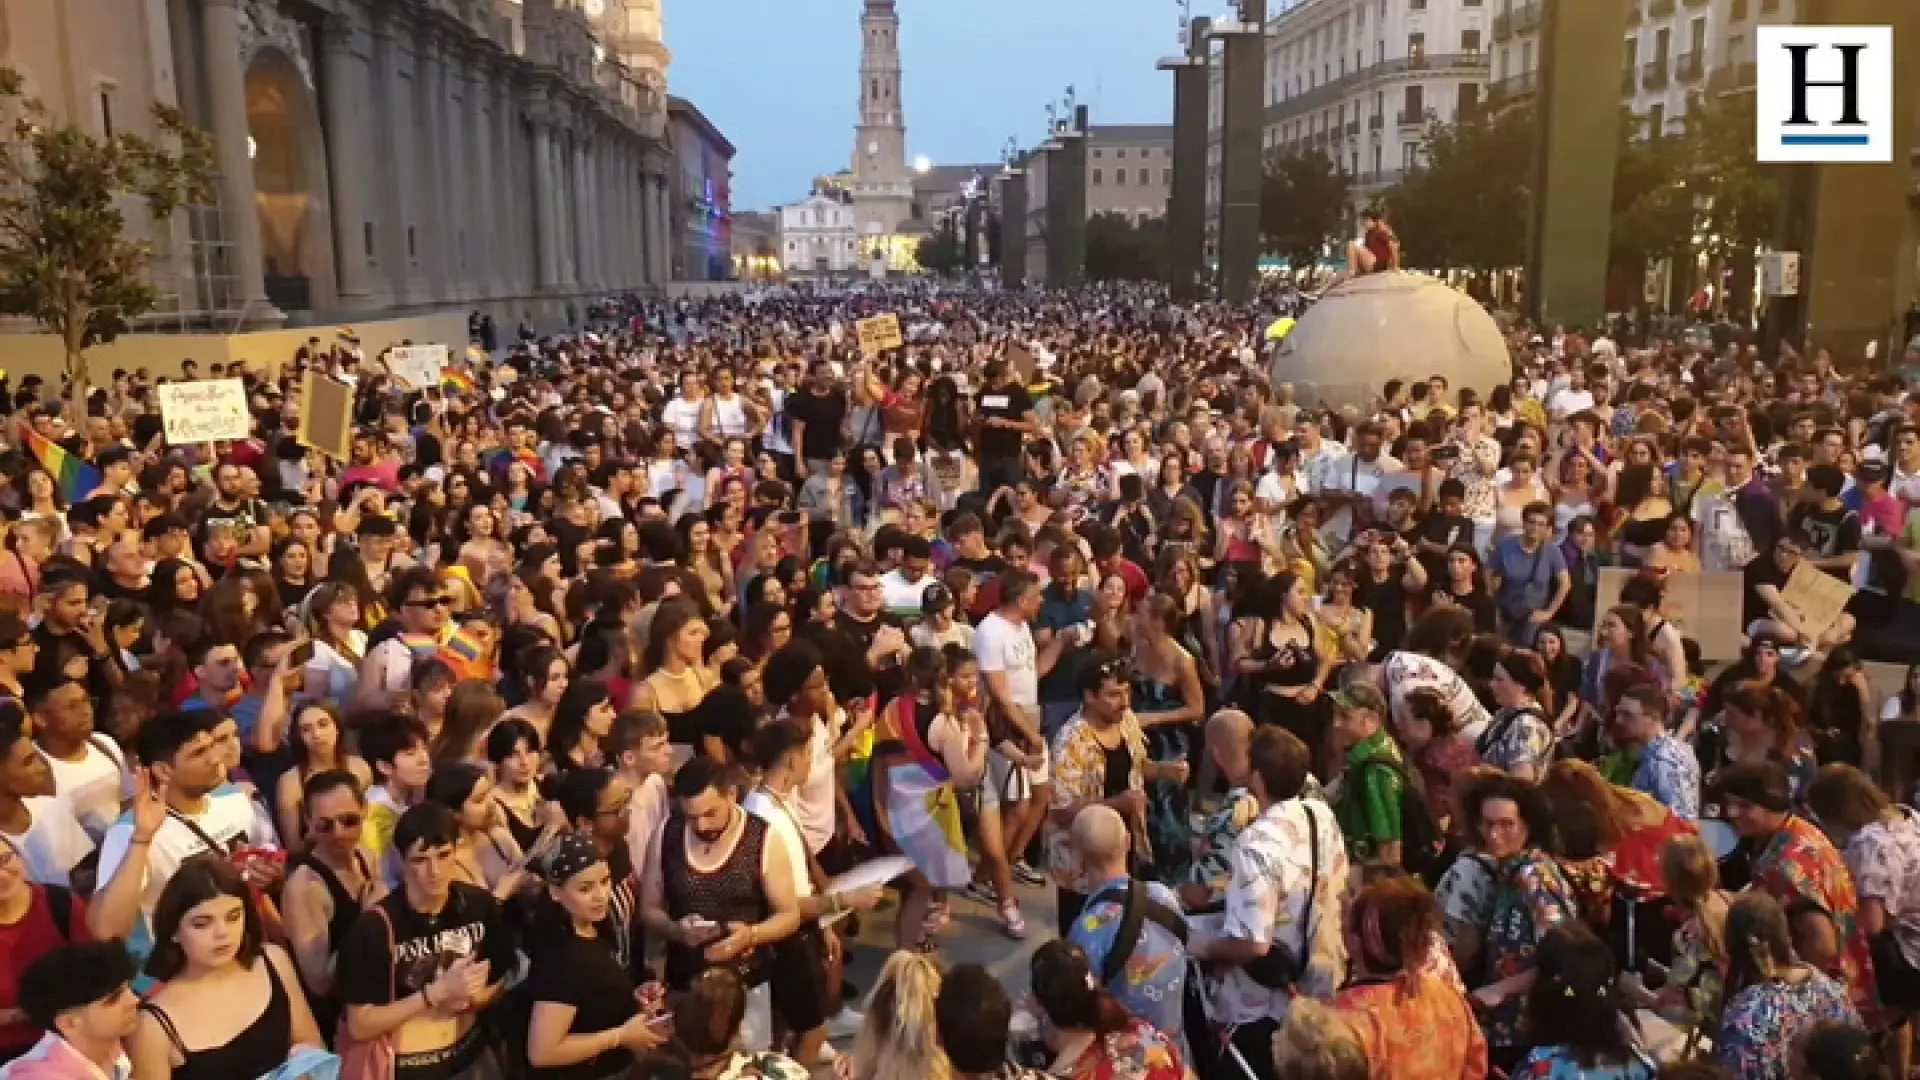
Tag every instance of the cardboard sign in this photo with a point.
(201, 412)
(326, 416)
(878, 334)
(1706, 608)
(1818, 596)
(417, 367)
(1022, 361)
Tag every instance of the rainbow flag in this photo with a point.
(76, 476)
(455, 382)
(478, 355)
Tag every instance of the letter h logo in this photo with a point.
(1825, 95)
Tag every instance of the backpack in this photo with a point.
(1138, 908)
(1421, 842)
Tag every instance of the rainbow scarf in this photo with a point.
(76, 476)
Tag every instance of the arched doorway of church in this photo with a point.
(289, 181)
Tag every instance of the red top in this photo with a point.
(1636, 859)
(34, 936)
(1379, 243)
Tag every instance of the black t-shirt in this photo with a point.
(1827, 533)
(1009, 402)
(1387, 600)
(1446, 531)
(1763, 570)
(1477, 602)
(582, 972)
(823, 414)
(469, 925)
(240, 517)
(845, 645)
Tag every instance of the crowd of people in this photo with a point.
(561, 729)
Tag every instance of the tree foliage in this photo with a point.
(1305, 207)
(941, 252)
(1465, 203)
(1742, 195)
(66, 260)
(1119, 250)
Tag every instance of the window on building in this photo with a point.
(1697, 35)
(1120, 177)
(1407, 155)
(1657, 120)
(1376, 159)
(366, 238)
(1146, 177)
(1468, 101)
(1470, 40)
(1662, 44)
(413, 250)
(1416, 45)
(1096, 178)
(106, 112)
(1416, 5)
(1414, 104)
(1166, 176)
(1737, 11)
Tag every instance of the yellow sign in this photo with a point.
(201, 412)
(878, 334)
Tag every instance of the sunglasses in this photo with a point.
(431, 601)
(337, 823)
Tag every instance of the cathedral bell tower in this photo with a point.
(882, 187)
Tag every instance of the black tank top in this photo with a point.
(732, 893)
(258, 1050)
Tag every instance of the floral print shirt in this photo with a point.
(1559, 1063)
(1518, 739)
(1214, 843)
(1151, 982)
(1798, 862)
(1698, 972)
(1531, 898)
(1885, 860)
(1465, 895)
(1079, 777)
(1670, 772)
(1763, 1022)
(1273, 876)
(1138, 1053)
(1427, 1032)
(763, 1066)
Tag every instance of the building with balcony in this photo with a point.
(400, 156)
(1359, 80)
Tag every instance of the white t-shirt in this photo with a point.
(229, 817)
(1007, 647)
(1405, 672)
(900, 595)
(782, 818)
(53, 843)
(813, 802)
(1565, 403)
(95, 785)
(683, 417)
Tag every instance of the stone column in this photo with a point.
(630, 220)
(458, 179)
(650, 235)
(486, 199)
(663, 212)
(227, 87)
(510, 268)
(391, 187)
(343, 80)
(545, 248)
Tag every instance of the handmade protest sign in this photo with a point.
(200, 412)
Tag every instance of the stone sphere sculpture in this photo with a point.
(1394, 325)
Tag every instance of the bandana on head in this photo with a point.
(571, 854)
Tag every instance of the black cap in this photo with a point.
(935, 599)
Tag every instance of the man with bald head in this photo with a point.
(1142, 960)
(1229, 734)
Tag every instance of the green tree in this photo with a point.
(66, 260)
(1653, 212)
(1119, 250)
(941, 252)
(1305, 207)
(1466, 203)
(1740, 199)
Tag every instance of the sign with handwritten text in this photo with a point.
(201, 412)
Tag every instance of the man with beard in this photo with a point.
(328, 887)
(863, 645)
(233, 509)
(720, 888)
(1007, 419)
(1667, 768)
(816, 413)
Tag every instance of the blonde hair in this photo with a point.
(899, 1039)
(1316, 1044)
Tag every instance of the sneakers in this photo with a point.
(1012, 921)
(845, 1024)
(938, 916)
(1026, 875)
(980, 892)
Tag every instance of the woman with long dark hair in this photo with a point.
(1574, 1014)
(582, 720)
(1090, 1034)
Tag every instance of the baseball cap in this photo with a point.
(935, 598)
(1360, 696)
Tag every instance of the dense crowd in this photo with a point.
(570, 727)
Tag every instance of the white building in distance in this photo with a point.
(819, 239)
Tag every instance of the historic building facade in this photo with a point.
(702, 191)
(382, 155)
(882, 186)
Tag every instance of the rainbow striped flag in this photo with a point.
(76, 476)
(454, 381)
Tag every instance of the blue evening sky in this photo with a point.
(780, 77)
